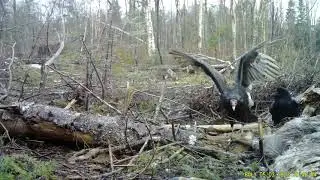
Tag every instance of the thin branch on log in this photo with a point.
(72, 102)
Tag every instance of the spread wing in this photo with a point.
(255, 66)
(198, 60)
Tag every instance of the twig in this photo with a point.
(88, 90)
(6, 130)
(106, 174)
(127, 33)
(127, 102)
(135, 156)
(172, 124)
(173, 131)
(171, 157)
(261, 149)
(110, 156)
(72, 102)
(22, 87)
(128, 165)
(158, 107)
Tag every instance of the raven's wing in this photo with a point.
(198, 60)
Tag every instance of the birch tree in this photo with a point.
(151, 43)
(263, 20)
(200, 25)
(244, 22)
(234, 28)
(178, 24)
(255, 20)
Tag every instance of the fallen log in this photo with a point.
(49, 123)
(221, 128)
(56, 124)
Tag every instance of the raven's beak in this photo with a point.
(233, 103)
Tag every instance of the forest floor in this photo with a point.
(188, 99)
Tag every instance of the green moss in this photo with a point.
(167, 163)
(198, 78)
(125, 56)
(254, 166)
(60, 103)
(100, 108)
(25, 167)
(146, 105)
(118, 70)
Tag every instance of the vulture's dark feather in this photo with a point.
(252, 66)
(283, 106)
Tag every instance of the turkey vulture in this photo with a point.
(283, 106)
(236, 100)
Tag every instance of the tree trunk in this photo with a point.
(200, 30)
(234, 28)
(178, 25)
(158, 30)
(151, 43)
(244, 22)
(255, 20)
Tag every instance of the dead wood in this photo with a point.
(62, 125)
(224, 128)
(310, 100)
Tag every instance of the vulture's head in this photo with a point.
(233, 103)
(233, 98)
